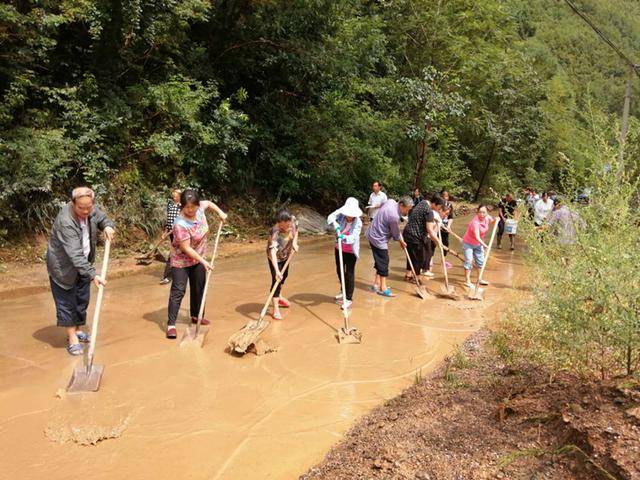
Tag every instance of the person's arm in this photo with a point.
(105, 224)
(71, 242)
(432, 231)
(208, 205)
(185, 247)
(354, 236)
(395, 232)
(476, 234)
(274, 260)
(332, 220)
(294, 243)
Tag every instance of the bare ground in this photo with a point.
(480, 418)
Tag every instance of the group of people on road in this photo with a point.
(72, 246)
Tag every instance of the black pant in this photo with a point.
(273, 276)
(380, 260)
(349, 260)
(429, 248)
(167, 266)
(196, 276)
(71, 304)
(415, 248)
(444, 235)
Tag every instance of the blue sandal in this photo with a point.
(75, 349)
(83, 337)
(386, 293)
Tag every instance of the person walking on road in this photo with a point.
(507, 208)
(376, 200)
(348, 225)
(71, 252)
(385, 226)
(188, 250)
(420, 232)
(173, 210)
(542, 210)
(473, 243)
(283, 239)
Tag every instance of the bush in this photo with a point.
(584, 315)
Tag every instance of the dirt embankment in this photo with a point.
(480, 418)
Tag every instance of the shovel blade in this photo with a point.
(349, 335)
(86, 380)
(193, 338)
(476, 293)
(240, 341)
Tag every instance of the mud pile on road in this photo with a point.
(479, 418)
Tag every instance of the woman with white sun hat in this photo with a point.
(347, 224)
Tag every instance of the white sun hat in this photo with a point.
(351, 208)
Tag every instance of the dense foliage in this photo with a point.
(303, 99)
(584, 314)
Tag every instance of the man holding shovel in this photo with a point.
(385, 226)
(70, 255)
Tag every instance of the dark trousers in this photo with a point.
(349, 260)
(167, 266)
(444, 236)
(429, 248)
(416, 254)
(195, 275)
(380, 260)
(274, 279)
(71, 305)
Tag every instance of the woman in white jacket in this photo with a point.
(348, 225)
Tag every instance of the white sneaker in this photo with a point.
(338, 296)
(428, 274)
(469, 285)
(484, 282)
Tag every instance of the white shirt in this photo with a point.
(86, 244)
(375, 202)
(542, 210)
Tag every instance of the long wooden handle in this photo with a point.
(275, 286)
(206, 282)
(486, 257)
(342, 286)
(96, 311)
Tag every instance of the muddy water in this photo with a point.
(166, 412)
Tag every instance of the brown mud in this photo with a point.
(205, 414)
(480, 417)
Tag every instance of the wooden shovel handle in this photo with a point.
(96, 311)
(275, 286)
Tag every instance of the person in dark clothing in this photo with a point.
(420, 230)
(70, 255)
(173, 210)
(447, 222)
(507, 208)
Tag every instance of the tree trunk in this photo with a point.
(484, 173)
(421, 158)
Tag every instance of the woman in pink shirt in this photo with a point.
(473, 244)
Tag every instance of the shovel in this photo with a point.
(196, 333)
(346, 334)
(240, 341)
(477, 293)
(447, 291)
(152, 254)
(420, 291)
(87, 377)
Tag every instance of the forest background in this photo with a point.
(271, 101)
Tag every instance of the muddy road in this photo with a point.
(166, 412)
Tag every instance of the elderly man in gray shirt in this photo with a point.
(384, 227)
(70, 255)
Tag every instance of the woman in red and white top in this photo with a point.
(188, 249)
(473, 244)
